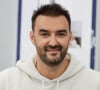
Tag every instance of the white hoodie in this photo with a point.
(26, 77)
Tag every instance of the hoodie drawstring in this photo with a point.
(57, 85)
(44, 87)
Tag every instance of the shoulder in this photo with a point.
(92, 72)
(9, 73)
(9, 70)
(92, 75)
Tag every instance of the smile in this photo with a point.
(53, 52)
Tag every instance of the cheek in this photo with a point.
(40, 43)
(64, 42)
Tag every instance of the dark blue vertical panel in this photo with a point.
(19, 29)
(93, 34)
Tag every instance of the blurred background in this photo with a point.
(15, 25)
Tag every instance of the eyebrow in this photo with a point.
(43, 30)
(62, 30)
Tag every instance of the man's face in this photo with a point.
(51, 37)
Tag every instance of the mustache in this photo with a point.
(56, 47)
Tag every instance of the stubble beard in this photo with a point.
(42, 52)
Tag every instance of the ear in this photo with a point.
(70, 36)
(32, 36)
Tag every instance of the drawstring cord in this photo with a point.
(44, 87)
(57, 85)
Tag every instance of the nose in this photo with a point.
(53, 40)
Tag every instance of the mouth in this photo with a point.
(53, 52)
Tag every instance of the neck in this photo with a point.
(52, 72)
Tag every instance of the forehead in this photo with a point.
(51, 22)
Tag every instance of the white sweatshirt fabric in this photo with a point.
(26, 77)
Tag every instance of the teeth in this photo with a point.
(53, 50)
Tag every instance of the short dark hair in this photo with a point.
(50, 10)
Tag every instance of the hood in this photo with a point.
(28, 66)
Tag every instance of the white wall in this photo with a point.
(97, 61)
(8, 32)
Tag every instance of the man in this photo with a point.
(52, 68)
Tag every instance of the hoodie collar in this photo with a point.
(28, 66)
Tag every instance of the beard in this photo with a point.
(56, 60)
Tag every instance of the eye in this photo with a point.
(61, 34)
(44, 34)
